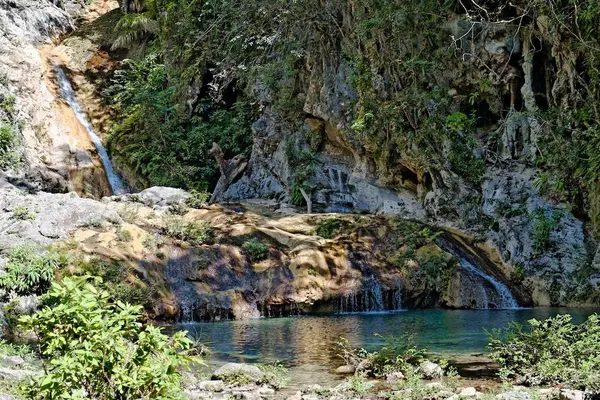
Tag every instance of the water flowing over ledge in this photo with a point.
(66, 90)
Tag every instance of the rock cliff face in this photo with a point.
(366, 263)
(533, 235)
(57, 154)
(433, 237)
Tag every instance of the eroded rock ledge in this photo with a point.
(366, 263)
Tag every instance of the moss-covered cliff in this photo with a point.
(475, 117)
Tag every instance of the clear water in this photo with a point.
(66, 91)
(307, 345)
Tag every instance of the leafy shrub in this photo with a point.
(275, 375)
(198, 199)
(28, 272)
(98, 349)
(194, 232)
(332, 227)
(8, 141)
(554, 351)
(114, 280)
(256, 250)
(543, 226)
(396, 355)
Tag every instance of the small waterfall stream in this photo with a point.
(479, 289)
(66, 90)
(371, 298)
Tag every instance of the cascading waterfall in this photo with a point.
(66, 90)
(479, 290)
(503, 299)
(371, 298)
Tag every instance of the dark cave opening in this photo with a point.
(539, 74)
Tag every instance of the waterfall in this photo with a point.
(478, 289)
(66, 90)
(503, 299)
(372, 298)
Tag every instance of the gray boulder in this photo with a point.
(515, 395)
(231, 369)
(163, 196)
(431, 370)
(16, 374)
(12, 361)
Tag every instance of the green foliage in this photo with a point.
(115, 281)
(23, 213)
(518, 274)
(396, 355)
(359, 384)
(315, 140)
(276, 375)
(332, 227)
(8, 105)
(256, 250)
(462, 146)
(123, 235)
(571, 162)
(29, 272)
(237, 378)
(194, 232)
(305, 164)
(554, 351)
(163, 141)
(98, 349)
(198, 199)
(543, 226)
(8, 142)
(437, 267)
(24, 350)
(135, 27)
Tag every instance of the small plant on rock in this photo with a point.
(194, 232)
(543, 226)
(256, 250)
(332, 227)
(198, 199)
(275, 375)
(23, 213)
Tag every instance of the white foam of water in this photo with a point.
(66, 90)
(506, 298)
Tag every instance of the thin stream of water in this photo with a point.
(66, 90)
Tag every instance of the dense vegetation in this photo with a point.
(554, 351)
(96, 348)
(209, 64)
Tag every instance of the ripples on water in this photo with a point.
(307, 344)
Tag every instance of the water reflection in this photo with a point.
(307, 344)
